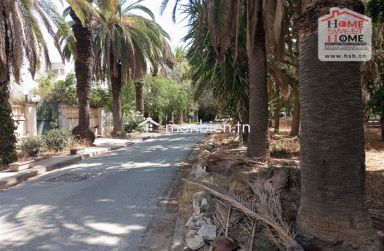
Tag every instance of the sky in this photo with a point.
(176, 30)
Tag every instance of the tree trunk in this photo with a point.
(84, 72)
(276, 112)
(295, 128)
(156, 118)
(382, 126)
(139, 97)
(117, 109)
(7, 127)
(258, 94)
(333, 210)
(196, 116)
(180, 118)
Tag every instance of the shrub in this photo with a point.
(33, 146)
(57, 140)
(132, 121)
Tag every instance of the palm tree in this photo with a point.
(332, 198)
(79, 44)
(139, 98)
(20, 38)
(125, 42)
(226, 78)
(264, 22)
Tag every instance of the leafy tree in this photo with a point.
(155, 96)
(164, 96)
(62, 91)
(101, 97)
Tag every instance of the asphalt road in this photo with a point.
(103, 203)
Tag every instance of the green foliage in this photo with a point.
(209, 107)
(128, 99)
(376, 102)
(57, 140)
(33, 146)
(101, 97)
(376, 10)
(162, 96)
(62, 91)
(126, 39)
(132, 121)
(7, 138)
(226, 78)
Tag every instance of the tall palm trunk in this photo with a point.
(296, 115)
(276, 112)
(139, 97)
(7, 125)
(332, 200)
(258, 94)
(382, 124)
(84, 73)
(116, 80)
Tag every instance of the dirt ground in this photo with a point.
(229, 168)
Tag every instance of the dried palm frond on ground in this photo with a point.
(225, 216)
(263, 209)
(228, 167)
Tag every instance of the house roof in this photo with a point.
(335, 12)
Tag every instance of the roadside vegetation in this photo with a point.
(299, 180)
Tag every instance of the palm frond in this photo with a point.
(266, 209)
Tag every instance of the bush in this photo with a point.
(132, 121)
(57, 140)
(33, 146)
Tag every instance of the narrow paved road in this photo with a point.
(103, 203)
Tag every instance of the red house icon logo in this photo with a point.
(336, 12)
(344, 35)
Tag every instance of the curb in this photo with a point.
(39, 169)
(178, 233)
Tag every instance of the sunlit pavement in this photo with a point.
(103, 203)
